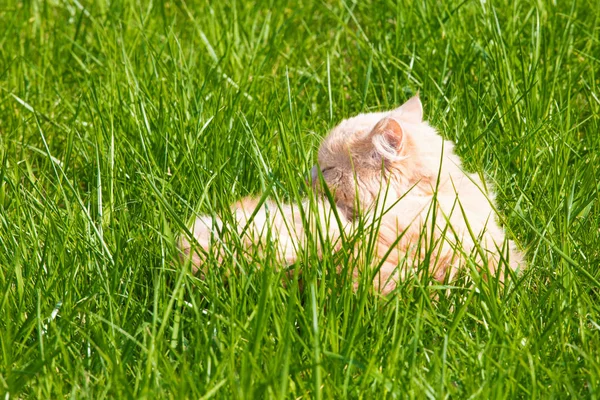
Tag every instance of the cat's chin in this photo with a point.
(347, 211)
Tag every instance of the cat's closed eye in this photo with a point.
(314, 172)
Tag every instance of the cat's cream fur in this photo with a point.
(393, 170)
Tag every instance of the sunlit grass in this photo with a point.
(121, 121)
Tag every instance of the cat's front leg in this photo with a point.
(206, 231)
(260, 225)
(255, 226)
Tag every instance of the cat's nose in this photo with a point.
(314, 174)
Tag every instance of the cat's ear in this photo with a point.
(388, 139)
(411, 111)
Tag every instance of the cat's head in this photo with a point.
(365, 153)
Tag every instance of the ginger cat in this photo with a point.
(393, 170)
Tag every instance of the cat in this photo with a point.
(393, 170)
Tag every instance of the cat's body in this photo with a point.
(393, 170)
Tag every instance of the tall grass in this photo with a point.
(120, 121)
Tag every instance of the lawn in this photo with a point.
(122, 120)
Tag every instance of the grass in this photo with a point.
(121, 120)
